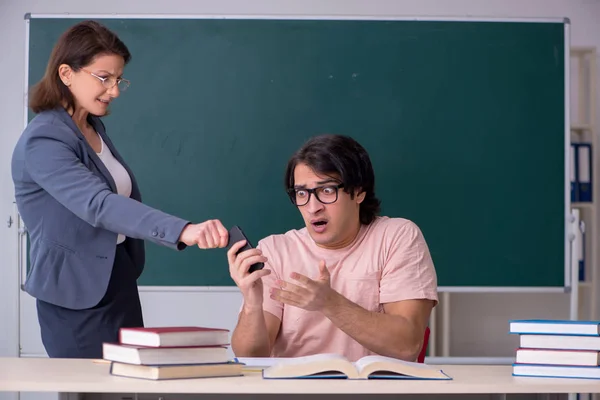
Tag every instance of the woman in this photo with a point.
(81, 204)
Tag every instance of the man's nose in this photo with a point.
(314, 204)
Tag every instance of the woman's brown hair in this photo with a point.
(77, 47)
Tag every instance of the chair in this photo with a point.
(421, 357)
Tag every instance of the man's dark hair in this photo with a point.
(342, 156)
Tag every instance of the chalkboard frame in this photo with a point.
(570, 274)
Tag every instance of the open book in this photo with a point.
(336, 366)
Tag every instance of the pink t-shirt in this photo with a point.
(389, 261)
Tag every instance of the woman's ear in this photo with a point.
(65, 73)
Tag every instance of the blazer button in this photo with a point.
(162, 235)
(154, 233)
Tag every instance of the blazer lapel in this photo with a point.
(99, 126)
(90, 152)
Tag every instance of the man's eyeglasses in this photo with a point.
(110, 81)
(325, 194)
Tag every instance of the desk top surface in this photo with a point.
(87, 376)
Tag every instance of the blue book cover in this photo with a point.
(556, 371)
(555, 327)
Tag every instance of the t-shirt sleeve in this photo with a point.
(408, 272)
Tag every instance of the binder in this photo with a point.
(584, 172)
(573, 173)
(581, 250)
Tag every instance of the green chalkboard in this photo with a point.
(464, 122)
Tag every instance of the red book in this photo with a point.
(174, 336)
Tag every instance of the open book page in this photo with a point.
(318, 365)
(311, 359)
(265, 362)
(380, 366)
(337, 366)
(258, 362)
(369, 360)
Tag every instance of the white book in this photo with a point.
(564, 342)
(556, 371)
(557, 357)
(143, 355)
(555, 327)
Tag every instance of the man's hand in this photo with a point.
(308, 294)
(250, 283)
(207, 235)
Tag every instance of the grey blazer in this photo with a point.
(70, 206)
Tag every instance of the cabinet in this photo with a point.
(584, 130)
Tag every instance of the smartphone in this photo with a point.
(235, 235)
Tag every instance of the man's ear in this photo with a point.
(65, 73)
(360, 195)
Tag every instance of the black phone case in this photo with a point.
(235, 235)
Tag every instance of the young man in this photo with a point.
(350, 282)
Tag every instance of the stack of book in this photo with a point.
(557, 348)
(171, 353)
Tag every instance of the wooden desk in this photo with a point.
(85, 376)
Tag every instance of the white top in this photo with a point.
(118, 173)
(87, 376)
